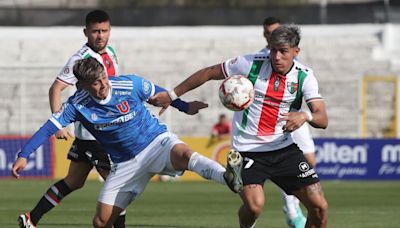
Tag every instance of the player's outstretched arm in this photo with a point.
(199, 78)
(47, 130)
(164, 99)
(55, 104)
(190, 108)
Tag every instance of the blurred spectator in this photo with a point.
(220, 131)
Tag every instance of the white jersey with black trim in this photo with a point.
(259, 127)
(66, 75)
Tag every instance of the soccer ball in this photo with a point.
(236, 93)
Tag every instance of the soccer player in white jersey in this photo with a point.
(262, 132)
(302, 137)
(139, 146)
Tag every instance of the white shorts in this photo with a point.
(302, 137)
(128, 179)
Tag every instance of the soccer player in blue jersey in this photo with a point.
(139, 146)
(85, 152)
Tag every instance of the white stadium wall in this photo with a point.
(340, 56)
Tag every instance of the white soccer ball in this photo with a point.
(236, 93)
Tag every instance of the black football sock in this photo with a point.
(50, 199)
(120, 222)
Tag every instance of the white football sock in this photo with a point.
(290, 205)
(206, 168)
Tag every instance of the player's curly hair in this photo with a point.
(287, 34)
(87, 70)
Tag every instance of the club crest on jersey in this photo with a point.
(292, 87)
(123, 108)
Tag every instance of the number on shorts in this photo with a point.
(249, 163)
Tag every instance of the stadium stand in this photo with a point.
(340, 56)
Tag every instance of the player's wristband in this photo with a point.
(309, 116)
(172, 95)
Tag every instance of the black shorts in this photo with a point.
(89, 151)
(286, 167)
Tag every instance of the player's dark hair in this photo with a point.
(271, 21)
(96, 16)
(87, 70)
(285, 35)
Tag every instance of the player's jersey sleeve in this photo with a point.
(66, 115)
(60, 119)
(38, 139)
(142, 87)
(237, 66)
(66, 75)
(310, 88)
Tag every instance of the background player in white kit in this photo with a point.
(261, 133)
(138, 144)
(302, 137)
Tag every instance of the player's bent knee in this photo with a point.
(180, 156)
(99, 223)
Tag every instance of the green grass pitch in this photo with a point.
(353, 204)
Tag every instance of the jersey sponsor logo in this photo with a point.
(124, 107)
(277, 82)
(119, 92)
(303, 166)
(165, 141)
(119, 120)
(310, 172)
(292, 87)
(146, 86)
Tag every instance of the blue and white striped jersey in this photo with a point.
(121, 122)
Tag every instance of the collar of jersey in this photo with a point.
(108, 98)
